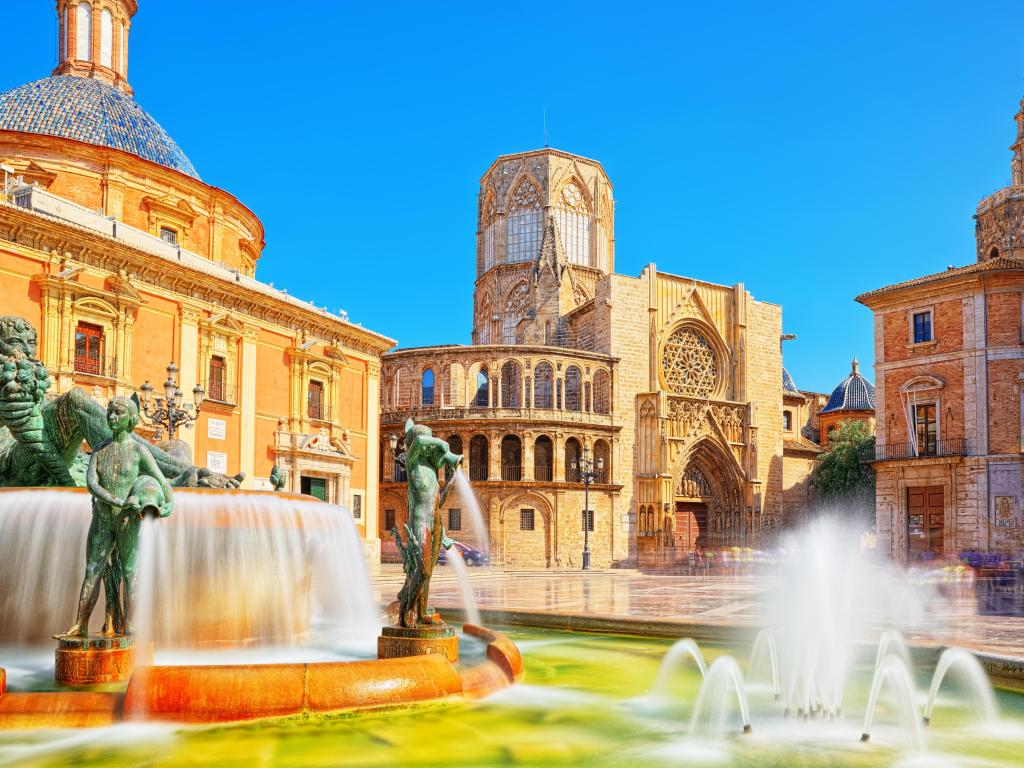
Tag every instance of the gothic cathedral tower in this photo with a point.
(545, 236)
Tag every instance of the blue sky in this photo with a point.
(811, 150)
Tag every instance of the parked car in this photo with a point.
(470, 554)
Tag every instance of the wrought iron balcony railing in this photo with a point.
(953, 446)
(94, 365)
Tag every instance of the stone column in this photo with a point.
(188, 370)
(247, 401)
(373, 436)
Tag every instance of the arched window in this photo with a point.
(511, 458)
(524, 223)
(403, 388)
(648, 439)
(994, 253)
(483, 388)
(106, 38)
(516, 304)
(83, 35)
(543, 375)
(487, 221)
(573, 219)
(478, 458)
(427, 388)
(543, 459)
(573, 389)
(602, 456)
(511, 384)
(602, 391)
(455, 444)
(572, 458)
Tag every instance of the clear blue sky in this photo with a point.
(811, 150)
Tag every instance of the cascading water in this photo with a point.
(764, 646)
(470, 504)
(465, 587)
(979, 689)
(230, 568)
(894, 672)
(680, 651)
(723, 682)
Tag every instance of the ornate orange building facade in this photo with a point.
(125, 260)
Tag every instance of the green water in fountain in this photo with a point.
(581, 704)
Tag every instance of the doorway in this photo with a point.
(691, 525)
(925, 522)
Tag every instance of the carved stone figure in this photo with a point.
(40, 438)
(126, 484)
(424, 533)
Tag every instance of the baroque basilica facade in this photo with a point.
(673, 387)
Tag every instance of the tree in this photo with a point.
(843, 475)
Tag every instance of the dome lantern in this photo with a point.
(93, 39)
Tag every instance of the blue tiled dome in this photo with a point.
(788, 385)
(92, 111)
(854, 393)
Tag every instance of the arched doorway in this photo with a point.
(708, 508)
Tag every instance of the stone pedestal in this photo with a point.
(395, 641)
(93, 659)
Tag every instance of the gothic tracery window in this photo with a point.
(573, 219)
(515, 309)
(524, 223)
(489, 211)
(689, 364)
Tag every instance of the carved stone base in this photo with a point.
(395, 642)
(93, 659)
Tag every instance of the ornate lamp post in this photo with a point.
(168, 412)
(587, 470)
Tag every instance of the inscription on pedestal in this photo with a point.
(93, 659)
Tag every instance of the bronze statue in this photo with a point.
(126, 484)
(424, 456)
(42, 440)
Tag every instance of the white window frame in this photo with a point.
(930, 311)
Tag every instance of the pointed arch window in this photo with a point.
(489, 215)
(515, 309)
(524, 223)
(573, 217)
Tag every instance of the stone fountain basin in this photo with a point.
(231, 693)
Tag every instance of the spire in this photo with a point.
(552, 255)
(93, 39)
(856, 367)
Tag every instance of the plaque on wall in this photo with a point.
(217, 461)
(1005, 517)
(216, 429)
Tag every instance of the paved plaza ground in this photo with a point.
(712, 598)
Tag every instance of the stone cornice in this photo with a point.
(54, 239)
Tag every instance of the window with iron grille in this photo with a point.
(215, 385)
(316, 399)
(587, 520)
(168, 235)
(89, 349)
(389, 519)
(525, 519)
(357, 506)
(454, 519)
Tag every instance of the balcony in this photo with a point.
(94, 365)
(428, 413)
(223, 394)
(954, 446)
(512, 474)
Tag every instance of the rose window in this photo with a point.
(689, 364)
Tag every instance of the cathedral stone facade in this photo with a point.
(675, 384)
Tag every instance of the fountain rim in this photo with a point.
(185, 491)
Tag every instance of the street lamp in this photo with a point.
(168, 412)
(587, 470)
(397, 459)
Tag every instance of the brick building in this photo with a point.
(949, 369)
(125, 260)
(674, 383)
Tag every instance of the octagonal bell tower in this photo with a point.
(545, 236)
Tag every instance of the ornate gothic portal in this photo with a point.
(708, 500)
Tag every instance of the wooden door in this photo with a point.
(925, 522)
(691, 525)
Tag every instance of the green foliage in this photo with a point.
(843, 473)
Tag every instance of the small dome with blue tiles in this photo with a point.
(92, 111)
(854, 393)
(788, 385)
